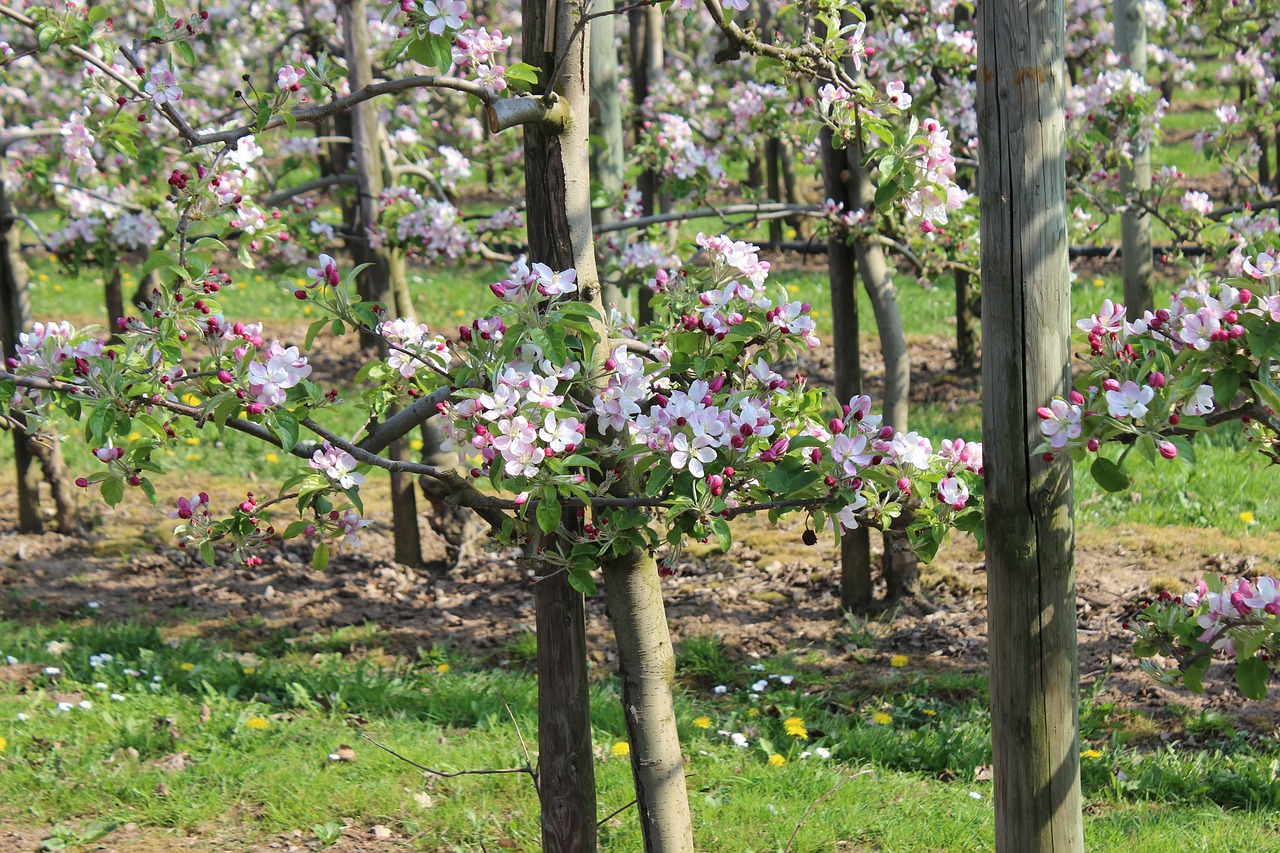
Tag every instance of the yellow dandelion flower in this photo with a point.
(459, 313)
(929, 712)
(754, 712)
(794, 726)
(621, 748)
(257, 723)
(240, 285)
(192, 457)
(193, 440)
(43, 276)
(443, 668)
(898, 661)
(3, 743)
(266, 309)
(1246, 517)
(57, 288)
(1091, 754)
(272, 458)
(416, 444)
(301, 282)
(250, 670)
(791, 288)
(880, 718)
(702, 722)
(306, 310)
(1097, 282)
(187, 667)
(777, 760)
(134, 436)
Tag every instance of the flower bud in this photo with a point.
(1045, 413)
(836, 425)
(1156, 379)
(82, 482)
(1168, 450)
(1093, 445)
(1110, 385)
(255, 408)
(1075, 397)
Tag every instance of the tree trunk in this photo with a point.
(15, 315)
(773, 167)
(966, 331)
(647, 60)
(1026, 322)
(607, 162)
(1135, 176)
(115, 301)
(647, 668)
(855, 545)
(49, 452)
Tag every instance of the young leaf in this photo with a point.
(1108, 475)
(320, 559)
(1252, 676)
(548, 514)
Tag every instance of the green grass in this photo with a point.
(256, 726)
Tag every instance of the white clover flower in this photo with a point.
(52, 670)
(86, 704)
(759, 686)
(720, 690)
(116, 697)
(63, 707)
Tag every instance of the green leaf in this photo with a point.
(289, 120)
(720, 527)
(886, 193)
(431, 51)
(1252, 675)
(264, 116)
(207, 554)
(549, 513)
(582, 581)
(522, 71)
(287, 429)
(313, 330)
(1267, 392)
(1193, 677)
(184, 50)
(148, 490)
(98, 14)
(1108, 475)
(113, 490)
(320, 559)
(1225, 385)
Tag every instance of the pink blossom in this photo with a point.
(1129, 400)
(847, 516)
(162, 86)
(1201, 403)
(338, 465)
(289, 79)
(1060, 423)
(283, 369)
(953, 492)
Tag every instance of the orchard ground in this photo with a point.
(266, 672)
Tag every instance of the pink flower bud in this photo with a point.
(904, 483)
(1045, 413)
(1156, 379)
(522, 499)
(886, 432)
(1075, 397)
(224, 376)
(1246, 296)
(1111, 385)
(835, 425)
(1167, 450)
(1093, 445)
(82, 482)
(255, 408)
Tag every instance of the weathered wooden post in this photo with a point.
(1026, 320)
(1135, 175)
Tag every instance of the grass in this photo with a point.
(209, 738)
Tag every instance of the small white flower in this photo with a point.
(94, 605)
(739, 740)
(100, 685)
(975, 795)
(132, 673)
(52, 670)
(11, 660)
(759, 685)
(116, 697)
(822, 752)
(86, 705)
(720, 690)
(786, 679)
(22, 718)
(63, 707)
(756, 667)
(154, 686)
(333, 756)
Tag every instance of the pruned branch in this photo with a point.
(446, 774)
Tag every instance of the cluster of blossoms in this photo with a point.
(270, 380)
(425, 227)
(1163, 373)
(413, 348)
(478, 51)
(937, 193)
(1238, 619)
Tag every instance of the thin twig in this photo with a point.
(815, 803)
(614, 813)
(445, 774)
(528, 760)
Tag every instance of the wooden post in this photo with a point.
(558, 200)
(855, 545)
(1026, 321)
(966, 331)
(1135, 176)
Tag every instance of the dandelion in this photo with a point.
(272, 458)
(754, 712)
(1247, 517)
(249, 670)
(415, 444)
(443, 668)
(794, 726)
(256, 723)
(898, 661)
(880, 718)
(777, 760)
(3, 743)
(187, 667)
(928, 712)
(621, 748)
(702, 722)
(193, 440)
(1091, 754)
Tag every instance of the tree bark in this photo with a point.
(1026, 322)
(647, 61)
(855, 545)
(966, 331)
(49, 452)
(115, 300)
(647, 668)
(607, 162)
(1135, 177)
(15, 315)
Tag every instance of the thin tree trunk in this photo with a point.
(966, 331)
(49, 452)
(855, 545)
(1135, 177)
(773, 166)
(647, 668)
(607, 161)
(647, 60)
(1026, 322)
(115, 300)
(15, 315)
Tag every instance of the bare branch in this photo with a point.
(765, 210)
(445, 774)
(322, 183)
